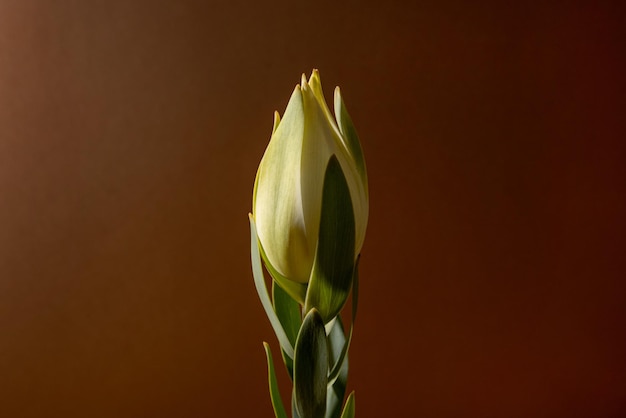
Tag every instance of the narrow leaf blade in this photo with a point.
(338, 362)
(288, 312)
(259, 282)
(277, 402)
(349, 133)
(337, 388)
(349, 409)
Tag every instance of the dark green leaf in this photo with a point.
(310, 374)
(288, 312)
(338, 362)
(331, 278)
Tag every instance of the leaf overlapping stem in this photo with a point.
(320, 349)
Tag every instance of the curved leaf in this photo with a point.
(336, 390)
(333, 266)
(277, 402)
(259, 282)
(294, 410)
(349, 409)
(288, 312)
(351, 138)
(338, 363)
(310, 373)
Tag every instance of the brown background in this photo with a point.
(493, 270)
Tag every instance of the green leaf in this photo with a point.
(338, 363)
(331, 278)
(336, 390)
(311, 367)
(349, 133)
(348, 410)
(288, 312)
(259, 282)
(277, 402)
(288, 363)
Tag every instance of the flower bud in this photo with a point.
(287, 201)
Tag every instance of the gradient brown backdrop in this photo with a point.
(492, 274)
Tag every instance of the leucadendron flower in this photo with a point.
(310, 202)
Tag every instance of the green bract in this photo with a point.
(310, 209)
(289, 186)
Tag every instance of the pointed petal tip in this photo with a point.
(315, 76)
(337, 102)
(297, 91)
(276, 121)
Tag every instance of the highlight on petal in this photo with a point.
(277, 201)
(318, 145)
(288, 186)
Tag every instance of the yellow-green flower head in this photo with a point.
(287, 200)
